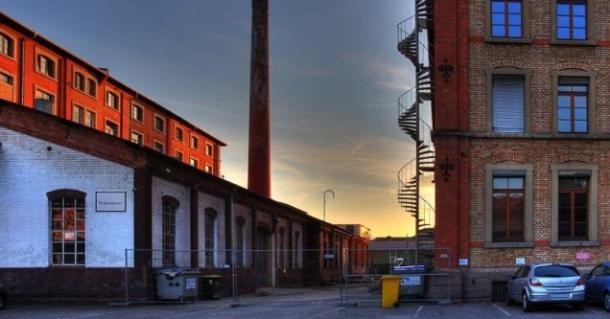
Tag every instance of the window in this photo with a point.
(571, 20)
(170, 206)
(572, 104)
(79, 81)
(208, 169)
(67, 227)
(5, 78)
(112, 100)
(506, 19)
(112, 128)
(210, 235)
(90, 119)
(159, 124)
(296, 250)
(573, 208)
(179, 134)
(193, 162)
(44, 102)
(179, 156)
(240, 240)
(508, 103)
(137, 113)
(508, 208)
(136, 137)
(91, 87)
(159, 147)
(78, 114)
(7, 45)
(194, 143)
(45, 65)
(209, 149)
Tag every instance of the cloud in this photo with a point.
(385, 74)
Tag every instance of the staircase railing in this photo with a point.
(425, 134)
(407, 100)
(406, 173)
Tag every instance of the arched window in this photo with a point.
(67, 226)
(7, 45)
(281, 248)
(240, 240)
(170, 206)
(296, 250)
(210, 235)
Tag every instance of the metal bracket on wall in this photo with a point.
(446, 70)
(446, 167)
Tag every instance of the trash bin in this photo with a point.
(208, 284)
(412, 281)
(177, 284)
(390, 285)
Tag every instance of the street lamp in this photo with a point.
(326, 192)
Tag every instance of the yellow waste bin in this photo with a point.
(390, 286)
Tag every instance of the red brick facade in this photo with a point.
(75, 84)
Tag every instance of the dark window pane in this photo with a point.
(514, 7)
(497, 6)
(563, 33)
(580, 34)
(497, 31)
(565, 214)
(80, 259)
(579, 10)
(564, 114)
(68, 258)
(563, 9)
(514, 32)
(564, 126)
(556, 271)
(563, 21)
(500, 183)
(69, 247)
(580, 114)
(580, 126)
(498, 19)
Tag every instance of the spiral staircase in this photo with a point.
(413, 36)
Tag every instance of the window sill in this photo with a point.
(583, 43)
(493, 40)
(590, 243)
(525, 244)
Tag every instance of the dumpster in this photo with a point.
(412, 281)
(177, 284)
(390, 286)
(208, 286)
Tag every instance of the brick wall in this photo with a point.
(30, 168)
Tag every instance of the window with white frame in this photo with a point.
(111, 128)
(45, 65)
(159, 124)
(159, 147)
(137, 112)
(44, 102)
(209, 149)
(136, 137)
(7, 45)
(112, 100)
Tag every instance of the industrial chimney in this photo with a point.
(259, 166)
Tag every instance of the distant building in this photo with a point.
(356, 229)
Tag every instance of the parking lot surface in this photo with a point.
(315, 303)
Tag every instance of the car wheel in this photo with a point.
(607, 301)
(525, 303)
(579, 306)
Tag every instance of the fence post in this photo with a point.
(126, 275)
(234, 278)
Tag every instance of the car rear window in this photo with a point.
(556, 271)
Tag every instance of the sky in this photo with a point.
(335, 79)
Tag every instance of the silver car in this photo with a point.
(547, 283)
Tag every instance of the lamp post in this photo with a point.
(326, 192)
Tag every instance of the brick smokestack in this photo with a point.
(259, 166)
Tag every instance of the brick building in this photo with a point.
(521, 133)
(37, 73)
(82, 209)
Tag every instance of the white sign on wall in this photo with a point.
(111, 202)
(520, 261)
(463, 262)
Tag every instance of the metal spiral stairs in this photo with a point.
(411, 32)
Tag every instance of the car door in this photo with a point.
(513, 283)
(593, 284)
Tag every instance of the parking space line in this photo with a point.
(418, 311)
(500, 309)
